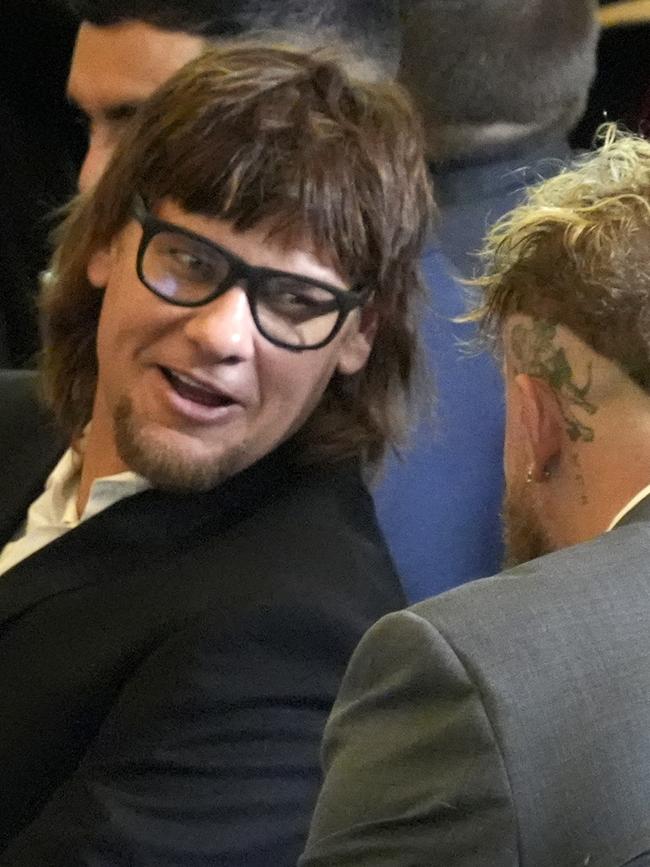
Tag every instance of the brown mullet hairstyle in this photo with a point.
(250, 134)
(577, 253)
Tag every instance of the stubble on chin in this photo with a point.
(524, 534)
(166, 467)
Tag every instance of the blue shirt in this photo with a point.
(440, 507)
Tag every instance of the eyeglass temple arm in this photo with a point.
(138, 208)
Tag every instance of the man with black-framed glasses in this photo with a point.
(230, 348)
(291, 310)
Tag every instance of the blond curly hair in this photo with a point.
(577, 253)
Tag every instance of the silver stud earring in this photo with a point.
(546, 475)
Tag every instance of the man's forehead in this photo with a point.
(122, 64)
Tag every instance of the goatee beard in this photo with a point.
(165, 467)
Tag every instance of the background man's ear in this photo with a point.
(99, 266)
(541, 416)
(357, 345)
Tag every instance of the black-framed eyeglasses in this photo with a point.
(189, 270)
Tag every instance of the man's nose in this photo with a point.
(225, 327)
(97, 156)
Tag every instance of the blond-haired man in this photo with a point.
(505, 722)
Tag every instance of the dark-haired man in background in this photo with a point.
(127, 48)
(230, 347)
(124, 49)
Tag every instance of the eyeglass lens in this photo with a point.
(287, 309)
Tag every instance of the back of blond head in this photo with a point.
(577, 253)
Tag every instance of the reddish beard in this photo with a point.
(524, 534)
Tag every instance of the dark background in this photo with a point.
(40, 147)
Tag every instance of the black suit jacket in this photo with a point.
(168, 666)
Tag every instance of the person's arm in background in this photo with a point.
(413, 773)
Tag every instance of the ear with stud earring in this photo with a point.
(546, 475)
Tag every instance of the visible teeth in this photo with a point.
(190, 389)
(188, 380)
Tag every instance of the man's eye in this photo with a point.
(315, 301)
(294, 299)
(190, 264)
(185, 258)
(294, 294)
(301, 303)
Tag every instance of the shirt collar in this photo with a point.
(63, 486)
(643, 493)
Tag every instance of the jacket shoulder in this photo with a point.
(549, 645)
(19, 393)
(607, 572)
(29, 444)
(25, 421)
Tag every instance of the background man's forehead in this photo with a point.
(369, 28)
(126, 62)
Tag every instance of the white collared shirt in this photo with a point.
(643, 493)
(55, 511)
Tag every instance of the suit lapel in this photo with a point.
(135, 533)
(119, 539)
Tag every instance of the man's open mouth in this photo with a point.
(189, 389)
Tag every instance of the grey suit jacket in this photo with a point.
(504, 723)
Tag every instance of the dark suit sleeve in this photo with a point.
(413, 773)
(210, 756)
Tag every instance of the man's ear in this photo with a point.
(357, 345)
(99, 266)
(541, 416)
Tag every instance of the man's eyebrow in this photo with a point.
(122, 111)
(119, 111)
